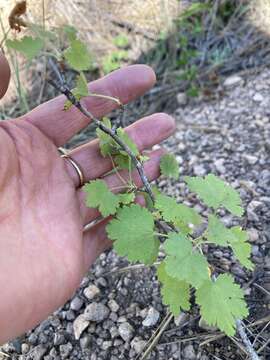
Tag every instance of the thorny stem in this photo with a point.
(64, 89)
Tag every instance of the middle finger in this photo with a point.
(145, 133)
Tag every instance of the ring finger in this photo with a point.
(151, 168)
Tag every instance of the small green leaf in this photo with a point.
(126, 198)
(121, 41)
(30, 47)
(67, 105)
(99, 196)
(133, 234)
(70, 31)
(81, 89)
(176, 213)
(184, 263)
(169, 166)
(222, 303)
(77, 56)
(174, 293)
(106, 143)
(235, 237)
(122, 134)
(215, 193)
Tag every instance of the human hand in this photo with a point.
(44, 252)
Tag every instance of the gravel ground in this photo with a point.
(115, 312)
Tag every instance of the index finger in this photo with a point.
(125, 84)
(4, 75)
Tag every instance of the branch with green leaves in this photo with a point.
(184, 268)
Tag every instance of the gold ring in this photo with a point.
(76, 167)
(63, 151)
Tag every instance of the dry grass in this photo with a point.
(98, 22)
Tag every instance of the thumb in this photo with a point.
(4, 75)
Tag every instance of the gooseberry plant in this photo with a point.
(164, 225)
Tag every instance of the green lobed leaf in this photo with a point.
(169, 166)
(184, 263)
(28, 46)
(126, 198)
(222, 303)
(81, 89)
(241, 248)
(123, 162)
(214, 192)
(41, 33)
(99, 196)
(77, 56)
(121, 41)
(235, 237)
(122, 134)
(133, 234)
(70, 31)
(106, 143)
(177, 213)
(174, 293)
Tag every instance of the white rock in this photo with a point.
(219, 166)
(126, 331)
(232, 81)
(138, 344)
(257, 97)
(151, 318)
(91, 292)
(79, 325)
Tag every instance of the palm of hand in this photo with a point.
(43, 249)
(41, 225)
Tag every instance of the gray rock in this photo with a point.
(138, 344)
(96, 312)
(189, 352)
(58, 339)
(113, 305)
(33, 339)
(126, 331)
(65, 350)
(151, 318)
(199, 170)
(252, 208)
(114, 332)
(91, 292)
(232, 81)
(253, 235)
(106, 345)
(85, 341)
(76, 303)
(203, 325)
(38, 352)
(182, 99)
(79, 325)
